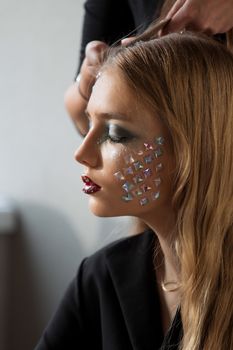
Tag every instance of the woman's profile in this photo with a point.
(160, 148)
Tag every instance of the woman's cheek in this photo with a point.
(139, 172)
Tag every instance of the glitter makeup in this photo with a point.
(138, 192)
(157, 181)
(149, 158)
(158, 152)
(148, 146)
(144, 201)
(138, 165)
(155, 195)
(129, 159)
(128, 171)
(127, 198)
(128, 186)
(159, 140)
(138, 177)
(147, 172)
(119, 176)
(159, 167)
(145, 188)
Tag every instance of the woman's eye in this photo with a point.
(117, 134)
(117, 139)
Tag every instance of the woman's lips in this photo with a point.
(90, 187)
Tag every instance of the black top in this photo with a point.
(111, 20)
(113, 303)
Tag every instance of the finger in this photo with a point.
(93, 51)
(179, 21)
(176, 7)
(127, 41)
(161, 26)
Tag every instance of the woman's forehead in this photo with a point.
(112, 96)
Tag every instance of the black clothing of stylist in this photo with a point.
(109, 21)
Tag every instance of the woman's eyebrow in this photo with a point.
(110, 115)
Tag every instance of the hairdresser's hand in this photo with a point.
(75, 102)
(208, 16)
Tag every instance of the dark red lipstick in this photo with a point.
(90, 186)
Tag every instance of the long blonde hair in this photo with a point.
(188, 81)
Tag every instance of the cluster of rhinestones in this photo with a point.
(140, 166)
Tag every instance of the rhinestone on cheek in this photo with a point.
(149, 158)
(158, 152)
(144, 201)
(147, 172)
(137, 192)
(140, 152)
(127, 186)
(159, 167)
(157, 181)
(138, 165)
(119, 176)
(129, 159)
(159, 140)
(145, 188)
(127, 198)
(128, 171)
(137, 179)
(148, 146)
(155, 195)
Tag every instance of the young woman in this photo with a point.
(160, 148)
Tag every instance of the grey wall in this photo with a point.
(39, 43)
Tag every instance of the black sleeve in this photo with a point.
(66, 329)
(105, 20)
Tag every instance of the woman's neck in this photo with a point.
(163, 225)
(168, 283)
(166, 267)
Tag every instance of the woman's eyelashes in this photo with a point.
(117, 134)
(112, 133)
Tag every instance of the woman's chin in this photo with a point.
(105, 208)
(99, 209)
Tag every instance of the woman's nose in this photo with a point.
(88, 152)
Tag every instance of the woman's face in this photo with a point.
(127, 155)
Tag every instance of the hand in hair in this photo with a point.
(208, 16)
(76, 98)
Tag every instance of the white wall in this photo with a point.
(39, 43)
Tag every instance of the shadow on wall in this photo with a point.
(45, 257)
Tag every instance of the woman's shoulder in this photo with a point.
(111, 274)
(138, 242)
(119, 252)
